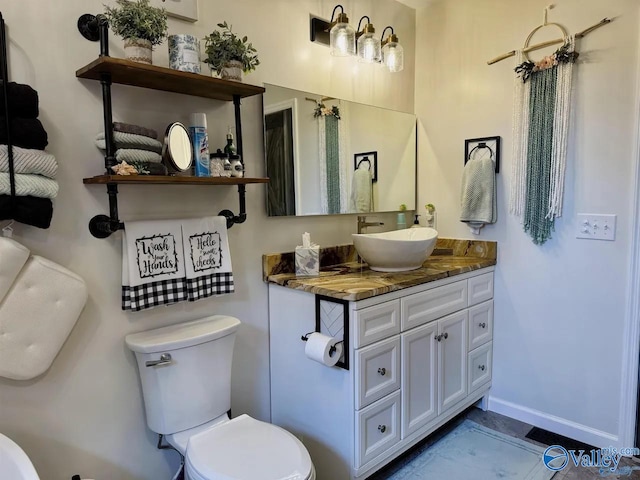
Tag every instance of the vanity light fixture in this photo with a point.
(338, 34)
(392, 51)
(368, 46)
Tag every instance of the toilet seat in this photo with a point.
(246, 449)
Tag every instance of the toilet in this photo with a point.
(185, 372)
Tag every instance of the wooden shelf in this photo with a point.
(126, 72)
(169, 180)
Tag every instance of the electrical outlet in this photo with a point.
(596, 226)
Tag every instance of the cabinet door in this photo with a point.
(452, 360)
(377, 371)
(419, 373)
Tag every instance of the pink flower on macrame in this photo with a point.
(545, 63)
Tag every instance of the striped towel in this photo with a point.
(130, 141)
(33, 185)
(138, 130)
(131, 155)
(26, 160)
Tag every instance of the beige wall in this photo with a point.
(85, 415)
(559, 308)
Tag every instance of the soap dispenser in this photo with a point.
(416, 222)
(401, 219)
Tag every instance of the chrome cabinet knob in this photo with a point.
(165, 359)
(382, 428)
(382, 371)
(481, 367)
(445, 335)
(482, 325)
(438, 337)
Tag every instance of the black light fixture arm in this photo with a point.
(333, 14)
(383, 42)
(358, 31)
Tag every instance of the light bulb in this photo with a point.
(368, 48)
(342, 40)
(393, 56)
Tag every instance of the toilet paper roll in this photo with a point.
(318, 347)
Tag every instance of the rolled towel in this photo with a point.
(34, 185)
(130, 155)
(28, 210)
(28, 161)
(23, 101)
(25, 133)
(130, 140)
(135, 129)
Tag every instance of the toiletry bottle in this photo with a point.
(401, 219)
(416, 222)
(230, 148)
(200, 140)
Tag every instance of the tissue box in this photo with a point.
(308, 261)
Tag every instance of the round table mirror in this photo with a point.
(177, 151)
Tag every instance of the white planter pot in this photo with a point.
(233, 71)
(138, 50)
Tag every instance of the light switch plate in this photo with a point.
(596, 226)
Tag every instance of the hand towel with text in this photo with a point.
(153, 266)
(208, 260)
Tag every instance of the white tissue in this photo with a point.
(306, 240)
(318, 348)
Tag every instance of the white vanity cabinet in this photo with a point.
(417, 357)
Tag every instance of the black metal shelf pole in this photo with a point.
(4, 65)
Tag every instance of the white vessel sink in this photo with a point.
(14, 463)
(396, 251)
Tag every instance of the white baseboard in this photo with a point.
(554, 424)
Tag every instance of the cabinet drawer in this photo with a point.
(376, 322)
(480, 324)
(480, 366)
(377, 428)
(480, 288)
(377, 371)
(423, 307)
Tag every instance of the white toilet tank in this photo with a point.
(193, 386)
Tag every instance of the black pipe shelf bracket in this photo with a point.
(96, 28)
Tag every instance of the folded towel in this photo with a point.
(153, 270)
(361, 190)
(31, 161)
(478, 194)
(28, 210)
(25, 133)
(23, 101)
(130, 140)
(128, 128)
(34, 185)
(208, 260)
(131, 156)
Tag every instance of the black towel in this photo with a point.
(25, 133)
(28, 210)
(23, 100)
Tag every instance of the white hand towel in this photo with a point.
(153, 267)
(362, 191)
(478, 194)
(208, 260)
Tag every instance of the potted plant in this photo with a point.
(229, 55)
(140, 25)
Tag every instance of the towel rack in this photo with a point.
(483, 143)
(111, 70)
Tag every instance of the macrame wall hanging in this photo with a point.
(541, 112)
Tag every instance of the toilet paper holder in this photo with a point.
(332, 349)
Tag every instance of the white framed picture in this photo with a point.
(182, 9)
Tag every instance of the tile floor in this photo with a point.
(401, 468)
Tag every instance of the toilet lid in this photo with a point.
(247, 449)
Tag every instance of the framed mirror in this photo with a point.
(326, 156)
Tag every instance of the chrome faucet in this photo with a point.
(362, 223)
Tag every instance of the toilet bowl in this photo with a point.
(185, 373)
(14, 463)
